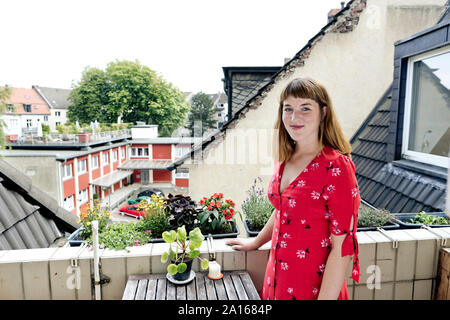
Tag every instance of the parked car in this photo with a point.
(139, 199)
(149, 193)
(131, 210)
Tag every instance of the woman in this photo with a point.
(316, 199)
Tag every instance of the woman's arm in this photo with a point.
(335, 269)
(252, 244)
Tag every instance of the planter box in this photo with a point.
(390, 226)
(249, 232)
(404, 220)
(233, 234)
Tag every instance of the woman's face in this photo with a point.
(301, 118)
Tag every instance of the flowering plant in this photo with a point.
(217, 215)
(257, 208)
(154, 218)
(91, 214)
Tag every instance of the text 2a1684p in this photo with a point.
(246, 309)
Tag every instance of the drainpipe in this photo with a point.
(96, 260)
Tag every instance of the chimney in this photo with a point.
(334, 12)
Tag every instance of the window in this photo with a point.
(27, 107)
(83, 196)
(66, 171)
(179, 152)
(46, 118)
(122, 153)
(68, 203)
(82, 166)
(426, 135)
(182, 173)
(114, 155)
(57, 123)
(94, 162)
(58, 113)
(139, 152)
(105, 158)
(29, 123)
(10, 107)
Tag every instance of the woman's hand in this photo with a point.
(242, 244)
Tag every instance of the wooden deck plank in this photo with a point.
(151, 289)
(130, 290)
(161, 289)
(171, 291)
(229, 287)
(200, 287)
(210, 290)
(141, 290)
(220, 290)
(249, 286)
(240, 290)
(190, 290)
(181, 292)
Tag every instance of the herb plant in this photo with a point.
(368, 217)
(428, 219)
(257, 208)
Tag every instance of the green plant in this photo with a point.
(368, 217)
(91, 214)
(60, 128)
(155, 218)
(257, 208)
(182, 211)
(429, 219)
(184, 249)
(121, 235)
(45, 129)
(217, 216)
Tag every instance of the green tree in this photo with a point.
(130, 90)
(5, 93)
(202, 109)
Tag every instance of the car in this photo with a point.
(131, 210)
(139, 199)
(149, 193)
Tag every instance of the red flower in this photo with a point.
(218, 205)
(228, 217)
(209, 208)
(212, 203)
(202, 202)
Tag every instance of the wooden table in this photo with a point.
(235, 285)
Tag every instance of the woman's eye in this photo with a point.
(287, 109)
(306, 109)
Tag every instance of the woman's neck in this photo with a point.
(307, 149)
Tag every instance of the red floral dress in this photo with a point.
(320, 201)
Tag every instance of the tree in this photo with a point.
(201, 110)
(130, 90)
(5, 93)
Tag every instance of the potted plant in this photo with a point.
(217, 217)
(154, 218)
(432, 219)
(119, 236)
(185, 252)
(182, 211)
(370, 219)
(257, 209)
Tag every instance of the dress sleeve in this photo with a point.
(342, 198)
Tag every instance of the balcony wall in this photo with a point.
(406, 272)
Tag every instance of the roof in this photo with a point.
(344, 21)
(56, 98)
(397, 186)
(166, 140)
(29, 218)
(22, 96)
(145, 164)
(111, 178)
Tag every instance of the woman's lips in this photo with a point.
(296, 127)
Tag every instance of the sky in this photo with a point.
(49, 43)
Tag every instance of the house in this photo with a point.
(401, 151)
(25, 112)
(351, 56)
(29, 218)
(58, 103)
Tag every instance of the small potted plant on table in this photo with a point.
(179, 270)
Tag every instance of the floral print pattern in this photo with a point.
(321, 201)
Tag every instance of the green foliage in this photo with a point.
(130, 90)
(185, 249)
(201, 110)
(91, 214)
(429, 219)
(45, 128)
(368, 217)
(121, 235)
(257, 207)
(217, 215)
(155, 218)
(5, 93)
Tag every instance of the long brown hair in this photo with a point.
(330, 132)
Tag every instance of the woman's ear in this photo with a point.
(324, 112)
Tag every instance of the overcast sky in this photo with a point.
(187, 42)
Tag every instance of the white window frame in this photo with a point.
(95, 163)
(69, 203)
(115, 155)
(135, 152)
(105, 158)
(409, 154)
(122, 153)
(83, 196)
(65, 170)
(80, 169)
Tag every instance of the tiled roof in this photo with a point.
(389, 185)
(21, 96)
(29, 218)
(57, 98)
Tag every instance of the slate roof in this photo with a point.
(56, 98)
(29, 218)
(394, 186)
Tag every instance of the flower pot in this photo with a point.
(75, 238)
(233, 234)
(185, 275)
(249, 232)
(404, 220)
